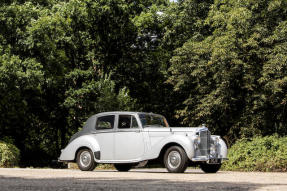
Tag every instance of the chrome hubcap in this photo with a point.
(174, 159)
(85, 158)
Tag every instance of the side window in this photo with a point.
(134, 123)
(105, 122)
(127, 121)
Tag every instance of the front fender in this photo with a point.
(185, 142)
(69, 153)
(222, 149)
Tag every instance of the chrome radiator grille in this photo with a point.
(204, 145)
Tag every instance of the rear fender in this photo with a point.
(88, 141)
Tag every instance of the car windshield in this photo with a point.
(148, 120)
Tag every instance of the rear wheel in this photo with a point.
(210, 168)
(123, 167)
(85, 160)
(175, 159)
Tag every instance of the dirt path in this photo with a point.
(140, 179)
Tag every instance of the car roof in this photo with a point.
(124, 112)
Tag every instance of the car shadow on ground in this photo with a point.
(155, 171)
(111, 183)
(152, 172)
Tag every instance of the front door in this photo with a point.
(129, 143)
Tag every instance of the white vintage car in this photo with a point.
(128, 139)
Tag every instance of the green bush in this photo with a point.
(258, 154)
(9, 155)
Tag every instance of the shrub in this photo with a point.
(258, 154)
(9, 155)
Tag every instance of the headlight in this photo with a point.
(213, 150)
(215, 140)
(196, 142)
(198, 139)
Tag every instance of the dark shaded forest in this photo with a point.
(221, 62)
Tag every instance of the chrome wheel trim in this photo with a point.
(174, 159)
(85, 159)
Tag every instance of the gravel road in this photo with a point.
(138, 179)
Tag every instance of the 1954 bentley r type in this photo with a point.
(128, 139)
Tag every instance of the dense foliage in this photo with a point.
(9, 155)
(233, 77)
(258, 154)
(220, 62)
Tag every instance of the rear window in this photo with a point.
(105, 122)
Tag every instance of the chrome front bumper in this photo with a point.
(207, 159)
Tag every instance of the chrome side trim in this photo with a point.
(137, 130)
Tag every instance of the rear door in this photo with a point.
(129, 142)
(105, 127)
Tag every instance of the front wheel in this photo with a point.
(210, 168)
(175, 159)
(85, 160)
(123, 167)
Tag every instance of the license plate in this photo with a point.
(214, 161)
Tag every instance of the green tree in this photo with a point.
(220, 75)
(54, 59)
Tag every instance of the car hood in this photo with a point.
(174, 129)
